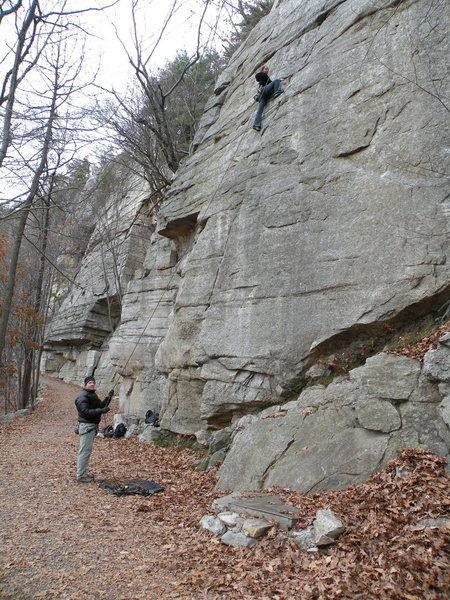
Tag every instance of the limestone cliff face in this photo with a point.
(333, 218)
(76, 343)
(272, 247)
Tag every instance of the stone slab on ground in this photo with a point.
(267, 507)
(236, 539)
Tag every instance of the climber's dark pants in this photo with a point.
(267, 92)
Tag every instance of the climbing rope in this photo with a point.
(174, 270)
(212, 197)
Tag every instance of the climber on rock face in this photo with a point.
(267, 89)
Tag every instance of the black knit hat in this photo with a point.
(87, 379)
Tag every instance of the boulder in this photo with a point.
(305, 538)
(338, 435)
(230, 519)
(152, 434)
(256, 528)
(317, 370)
(132, 430)
(213, 524)
(203, 437)
(231, 538)
(24, 412)
(327, 528)
(436, 363)
(220, 439)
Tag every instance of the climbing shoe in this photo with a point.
(256, 127)
(85, 479)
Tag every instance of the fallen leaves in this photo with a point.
(418, 349)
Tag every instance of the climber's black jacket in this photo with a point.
(262, 78)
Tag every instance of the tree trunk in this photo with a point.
(25, 211)
(38, 303)
(26, 378)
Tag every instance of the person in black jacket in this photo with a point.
(90, 409)
(267, 89)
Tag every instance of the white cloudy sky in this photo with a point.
(180, 34)
(104, 54)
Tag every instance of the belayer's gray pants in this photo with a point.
(88, 432)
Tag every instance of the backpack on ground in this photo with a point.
(108, 431)
(152, 418)
(119, 431)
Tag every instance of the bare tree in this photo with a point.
(34, 32)
(156, 121)
(8, 8)
(40, 130)
(44, 131)
(26, 206)
(14, 76)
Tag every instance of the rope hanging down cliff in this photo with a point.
(212, 197)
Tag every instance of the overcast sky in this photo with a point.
(180, 34)
(104, 54)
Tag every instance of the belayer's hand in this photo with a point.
(111, 393)
(106, 409)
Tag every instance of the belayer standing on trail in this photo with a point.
(267, 89)
(90, 409)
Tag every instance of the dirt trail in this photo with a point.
(65, 540)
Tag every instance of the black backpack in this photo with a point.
(119, 431)
(108, 431)
(152, 418)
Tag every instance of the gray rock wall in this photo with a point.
(272, 246)
(146, 313)
(333, 218)
(335, 436)
(77, 339)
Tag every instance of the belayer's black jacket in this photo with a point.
(90, 407)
